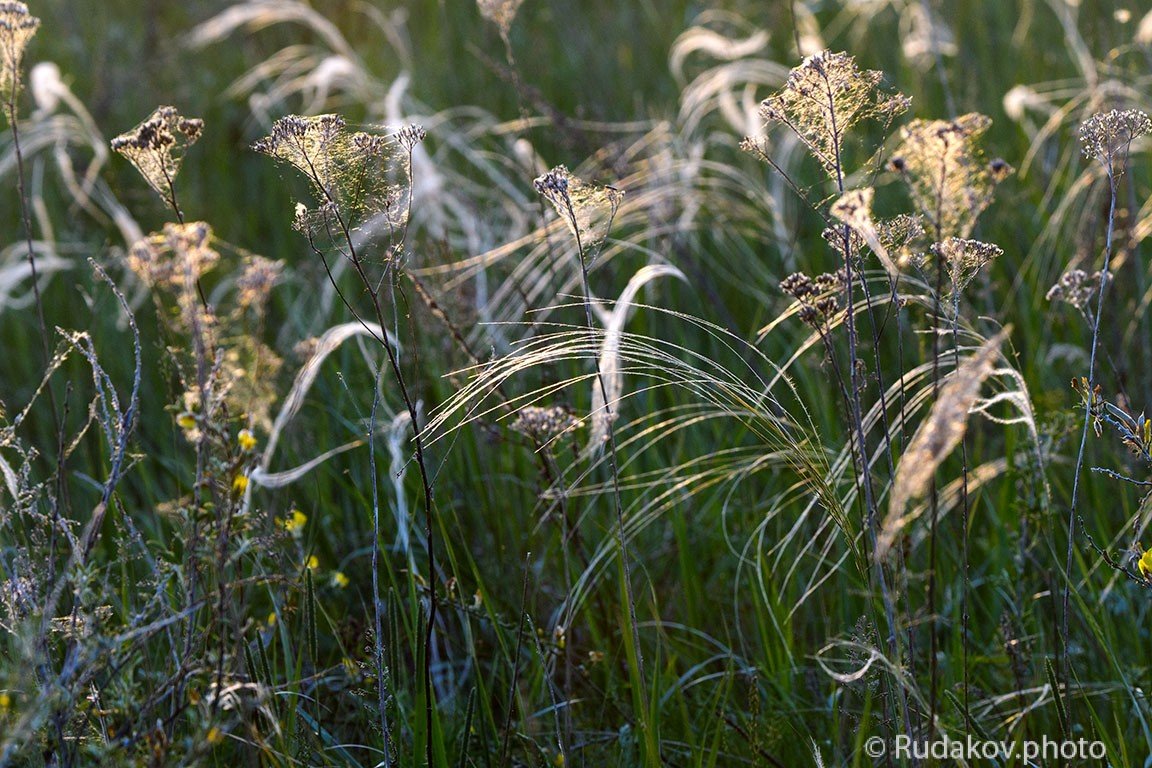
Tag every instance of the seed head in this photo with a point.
(543, 424)
(17, 26)
(824, 98)
(156, 147)
(1075, 287)
(1107, 135)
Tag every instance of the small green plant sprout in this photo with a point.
(17, 26)
(156, 147)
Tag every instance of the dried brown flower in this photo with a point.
(950, 183)
(824, 98)
(17, 26)
(543, 424)
(1107, 135)
(960, 259)
(255, 283)
(1075, 287)
(587, 209)
(356, 176)
(157, 146)
(176, 257)
(500, 12)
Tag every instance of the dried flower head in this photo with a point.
(357, 177)
(256, 281)
(824, 98)
(960, 259)
(500, 12)
(175, 257)
(941, 162)
(17, 26)
(1075, 287)
(157, 146)
(543, 424)
(854, 208)
(819, 297)
(411, 135)
(1106, 136)
(587, 209)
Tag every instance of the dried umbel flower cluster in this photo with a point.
(824, 98)
(357, 176)
(1107, 136)
(17, 26)
(588, 209)
(175, 257)
(157, 146)
(902, 237)
(255, 283)
(543, 424)
(500, 12)
(854, 208)
(949, 180)
(1075, 287)
(960, 259)
(819, 296)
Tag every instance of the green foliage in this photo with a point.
(446, 476)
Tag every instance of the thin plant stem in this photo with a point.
(1066, 663)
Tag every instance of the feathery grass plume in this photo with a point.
(156, 148)
(500, 12)
(587, 209)
(937, 436)
(608, 386)
(824, 98)
(1107, 136)
(358, 177)
(854, 208)
(944, 168)
(960, 259)
(17, 26)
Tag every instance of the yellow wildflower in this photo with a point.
(5, 702)
(214, 736)
(271, 619)
(246, 440)
(1145, 564)
(240, 484)
(339, 580)
(312, 563)
(295, 523)
(186, 420)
